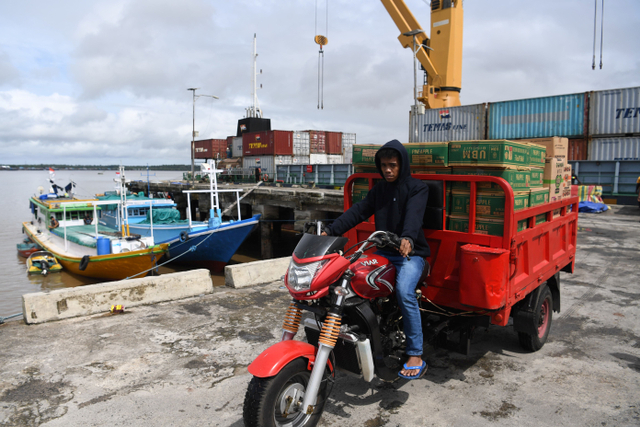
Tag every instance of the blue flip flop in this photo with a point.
(423, 369)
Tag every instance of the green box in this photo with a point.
(518, 178)
(498, 153)
(364, 154)
(541, 218)
(425, 169)
(365, 169)
(487, 204)
(537, 154)
(538, 196)
(429, 154)
(489, 226)
(537, 175)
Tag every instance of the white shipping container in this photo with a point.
(450, 124)
(318, 159)
(614, 112)
(335, 159)
(348, 141)
(626, 148)
(292, 160)
(265, 163)
(236, 146)
(300, 143)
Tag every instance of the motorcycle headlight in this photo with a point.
(300, 276)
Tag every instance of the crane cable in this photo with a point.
(321, 40)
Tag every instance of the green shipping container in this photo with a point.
(519, 178)
(429, 154)
(498, 153)
(487, 204)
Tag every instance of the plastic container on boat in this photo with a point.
(103, 245)
(614, 112)
(561, 115)
(464, 123)
(116, 246)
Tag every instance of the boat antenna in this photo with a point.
(148, 185)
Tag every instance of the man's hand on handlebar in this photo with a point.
(405, 247)
(324, 233)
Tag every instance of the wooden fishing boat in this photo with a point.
(42, 262)
(67, 227)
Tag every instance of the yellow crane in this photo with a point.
(440, 55)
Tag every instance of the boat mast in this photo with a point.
(254, 110)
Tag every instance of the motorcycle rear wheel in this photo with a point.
(270, 402)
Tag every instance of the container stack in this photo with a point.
(614, 124)
(510, 160)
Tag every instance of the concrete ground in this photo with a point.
(184, 362)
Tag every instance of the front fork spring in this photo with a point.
(330, 330)
(292, 319)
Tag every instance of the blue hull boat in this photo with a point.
(207, 244)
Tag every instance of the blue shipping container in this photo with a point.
(562, 115)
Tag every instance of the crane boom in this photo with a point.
(440, 55)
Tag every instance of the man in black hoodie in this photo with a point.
(398, 204)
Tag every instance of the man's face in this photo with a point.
(390, 168)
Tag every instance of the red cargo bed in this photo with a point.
(534, 254)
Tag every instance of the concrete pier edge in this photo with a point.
(255, 273)
(41, 307)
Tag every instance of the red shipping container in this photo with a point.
(333, 142)
(203, 149)
(578, 149)
(317, 142)
(270, 143)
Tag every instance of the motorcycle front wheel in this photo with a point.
(276, 401)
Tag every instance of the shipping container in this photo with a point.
(348, 141)
(253, 124)
(333, 142)
(236, 146)
(335, 159)
(317, 142)
(562, 115)
(615, 112)
(578, 149)
(274, 142)
(625, 148)
(300, 143)
(451, 124)
(210, 149)
(318, 159)
(292, 160)
(265, 163)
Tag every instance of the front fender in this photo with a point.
(276, 357)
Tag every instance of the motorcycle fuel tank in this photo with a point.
(375, 276)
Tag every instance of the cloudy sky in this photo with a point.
(105, 82)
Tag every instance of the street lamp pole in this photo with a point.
(193, 129)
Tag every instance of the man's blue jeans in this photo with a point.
(407, 275)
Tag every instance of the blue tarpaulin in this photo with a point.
(592, 207)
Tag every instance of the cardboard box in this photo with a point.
(489, 226)
(556, 147)
(487, 204)
(517, 178)
(553, 178)
(364, 154)
(436, 171)
(538, 196)
(537, 155)
(428, 154)
(537, 175)
(497, 153)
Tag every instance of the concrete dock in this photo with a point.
(184, 362)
